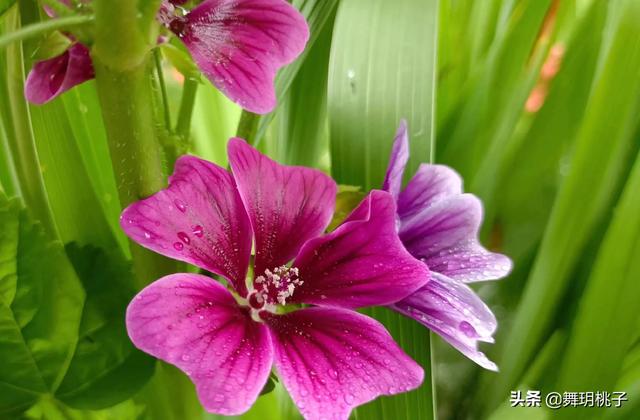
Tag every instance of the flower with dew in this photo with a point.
(439, 225)
(296, 308)
(238, 44)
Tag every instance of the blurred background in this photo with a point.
(535, 102)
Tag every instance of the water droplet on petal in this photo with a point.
(184, 237)
(179, 246)
(180, 205)
(197, 230)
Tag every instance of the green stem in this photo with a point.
(163, 89)
(122, 61)
(47, 26)
(183, 126)
(248, 126)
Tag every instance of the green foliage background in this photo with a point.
(535, 102)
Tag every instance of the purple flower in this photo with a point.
(329, 357)
(439, 225)
(238, 44)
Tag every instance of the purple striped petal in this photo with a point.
(361, 263)
(240, 45)
(444, 235)
(398, 161)
(194, 323)
(199, 219)
(456, 313)
(50, 78)
(332, 360)
(287, 204)
(430, 184)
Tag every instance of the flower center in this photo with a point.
(274, 287)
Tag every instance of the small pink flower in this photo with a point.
(329, 357)
(439, 225)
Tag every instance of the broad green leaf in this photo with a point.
(379, 73)
(608, 315)
(598, 163)
(58, 340)
(84, 115)
(41, 303)
(106, 367)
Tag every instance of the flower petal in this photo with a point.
(199, 219)
(361, 263)
(287, 204)
(469, 262)
(430, 184)
(456, 313)
(398, 161)
(445, 236)
(240, 45)
(332, 360)
(50, 78)
(194, 323)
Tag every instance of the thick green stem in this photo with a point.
(122, 60)
(125, 98)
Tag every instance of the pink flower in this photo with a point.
(238, 44)
(329, 357)
(439, 225)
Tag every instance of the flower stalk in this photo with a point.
(122, 60)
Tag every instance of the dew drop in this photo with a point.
(180, 205)
(179, 246)
(184, 237)
(147, 235)
(185, 358)
(197, 230)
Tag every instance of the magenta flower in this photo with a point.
(439, 225)
(329, 357)
(238, 44)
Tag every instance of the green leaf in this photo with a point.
(106, 367)
(5, 5)
(52, 45)
(41, 302)
(301, 133)
(380, 73)
(598, 165)
(610, 299)
(85, 119)
(546, 141)
(54, 341)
